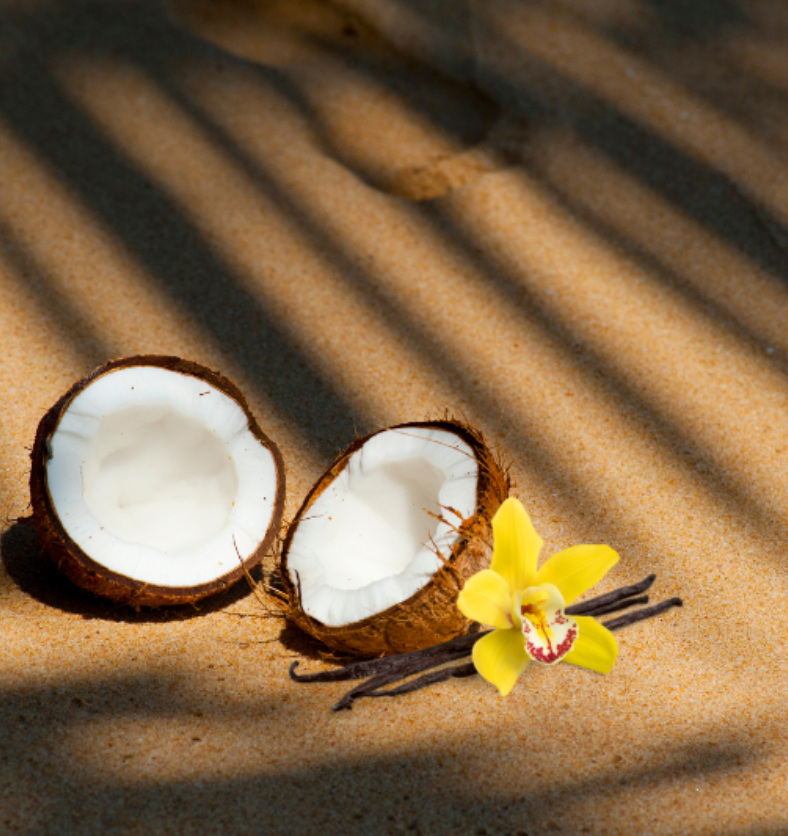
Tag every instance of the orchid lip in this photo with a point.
(548, 631)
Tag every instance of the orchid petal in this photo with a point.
(485, 598)
(500, 658)
(516, 545)
(516, 611)
(595, 648)
(577, 569)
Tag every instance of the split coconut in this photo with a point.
(152, 483)
(376, 556)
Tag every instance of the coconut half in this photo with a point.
(377, 554)
(152, 483)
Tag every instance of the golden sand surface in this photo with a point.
(566, 220)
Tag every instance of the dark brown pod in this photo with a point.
(168, 409)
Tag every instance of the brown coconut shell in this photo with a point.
(78, 566)
(430, 615)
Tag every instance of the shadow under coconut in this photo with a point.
(296, 641)
(29, 568)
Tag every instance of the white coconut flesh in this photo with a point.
(156, 476)
(367, 542)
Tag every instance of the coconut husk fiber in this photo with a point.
(81, 568)
(566, 221)
(430, 615)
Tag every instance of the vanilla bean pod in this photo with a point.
(642, 615)
(377, 681)
(611, 597)
(407, 662)
(617, 605)
(395, 672)
(374, 687)
(456, 672)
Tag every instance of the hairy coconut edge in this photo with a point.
(81, 569)
(429, 615)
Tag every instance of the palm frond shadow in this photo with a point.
(425, 790)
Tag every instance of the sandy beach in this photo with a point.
(565, 221)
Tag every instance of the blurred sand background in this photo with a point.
(565, 219)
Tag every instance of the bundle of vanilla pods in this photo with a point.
(439, 659)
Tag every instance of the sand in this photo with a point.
(567, 221)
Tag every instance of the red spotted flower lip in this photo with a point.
(548, 631)
(548, 652)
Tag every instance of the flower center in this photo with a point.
(549, 632)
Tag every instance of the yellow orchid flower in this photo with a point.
(526, 606)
